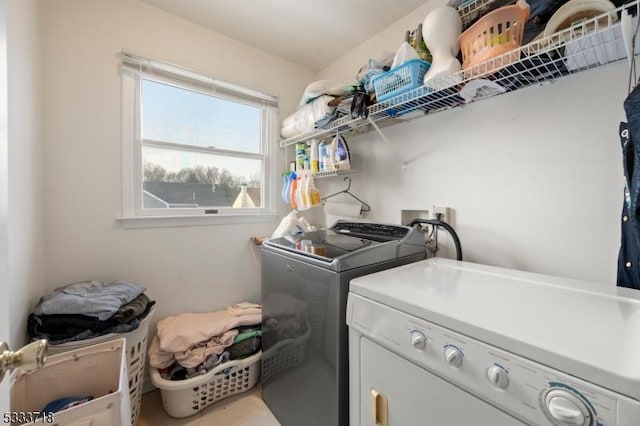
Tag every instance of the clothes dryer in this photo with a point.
(454, 343)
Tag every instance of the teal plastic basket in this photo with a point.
(407, 76)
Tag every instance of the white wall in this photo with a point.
(26, 235)
(5, 316)
(389, 39)
(185, 269)
(535, 177)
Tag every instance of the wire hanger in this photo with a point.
(365, 206)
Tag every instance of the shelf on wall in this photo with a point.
(471, 10)
(585, 45)
(328, 173)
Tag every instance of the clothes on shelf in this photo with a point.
(191, 339)
(72, 326)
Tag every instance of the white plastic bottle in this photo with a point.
(312, 192)
(330, 162)
(322, 155)
(313, 156)
(302, 196)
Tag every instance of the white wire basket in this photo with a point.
(74, 373)
(136, 350)
(184, 398)
(283, 355)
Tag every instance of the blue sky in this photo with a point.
(172, 114)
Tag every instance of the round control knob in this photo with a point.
(453, 356)
(498, 376)
(566, 408)
(418, 340)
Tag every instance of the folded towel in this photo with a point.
(244, 308)
(324, 87)
(91, 298)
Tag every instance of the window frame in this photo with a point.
(133, 213)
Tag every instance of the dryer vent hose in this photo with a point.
(447, 227)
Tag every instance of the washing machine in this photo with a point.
(454, 343)
(305, 282)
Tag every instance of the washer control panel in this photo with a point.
(534, 393)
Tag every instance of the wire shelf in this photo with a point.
(328, 173)
(470, 11)
(586, 45)
(332, 173)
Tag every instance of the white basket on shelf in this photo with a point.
(136, 349)
(183, 398)
(74, 373)
(283, 355)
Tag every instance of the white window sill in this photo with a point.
(136, 222)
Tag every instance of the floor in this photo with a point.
(245, 409)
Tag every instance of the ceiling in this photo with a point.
(310, 33)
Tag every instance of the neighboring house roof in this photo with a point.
(177, 194)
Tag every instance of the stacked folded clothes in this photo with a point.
(191, 344)
(89, 309)
(317, 107)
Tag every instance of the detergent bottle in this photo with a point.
(293, 190)
(312, 192)
(322, 154)
(313, 156)
(303, 199)
(286, 188)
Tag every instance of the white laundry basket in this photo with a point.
(99, 370)
(183, 398)
(286, 354)
(136, 350)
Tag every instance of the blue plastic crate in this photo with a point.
(407, 76)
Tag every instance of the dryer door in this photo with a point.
(396, 392)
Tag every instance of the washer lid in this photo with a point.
(334, 244)
(589, 330)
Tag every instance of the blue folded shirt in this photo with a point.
(91, 298)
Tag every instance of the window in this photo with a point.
(194, 146)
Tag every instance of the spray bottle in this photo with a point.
(303, 198)
(286, 187)
(312, 192)
(293, 189)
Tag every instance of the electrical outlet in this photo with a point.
(443, 212)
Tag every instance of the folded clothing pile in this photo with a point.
(191, 344)
(317, 107)
(89, 309)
